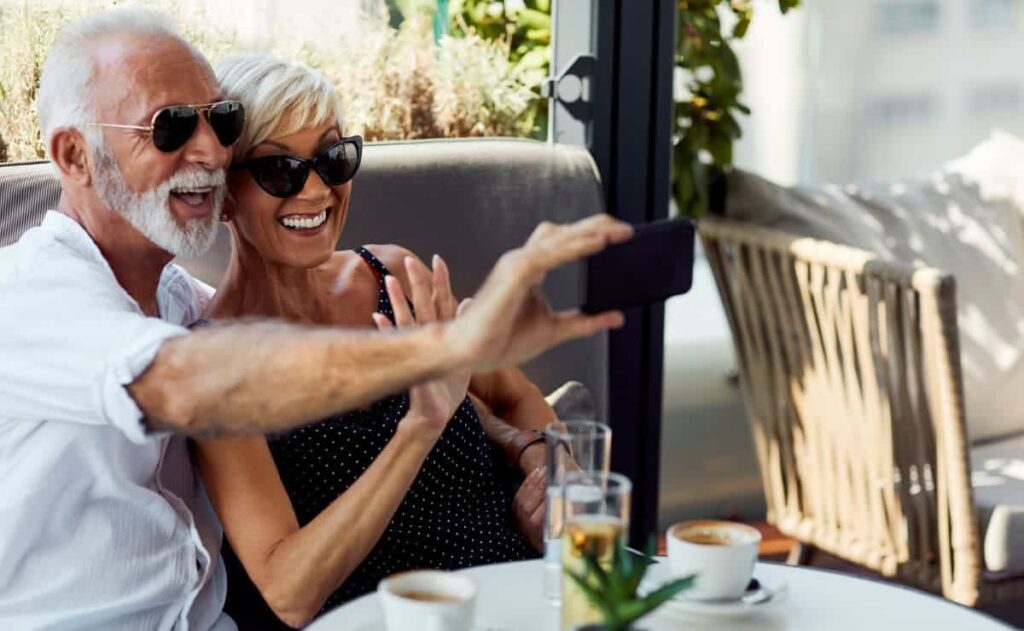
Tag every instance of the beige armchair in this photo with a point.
(850, 368)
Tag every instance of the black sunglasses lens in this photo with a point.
(280, 176)
(339, 163)
(227, 119)
(173, 126)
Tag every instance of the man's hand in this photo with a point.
(528, 506)
(510, 321)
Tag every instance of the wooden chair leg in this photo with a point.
(801, 554)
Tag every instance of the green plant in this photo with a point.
(25, 37)
(525, 32)
(614, 591)
(705, 121)
(395, 84)
(26, 33)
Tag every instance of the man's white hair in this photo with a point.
(66, 97)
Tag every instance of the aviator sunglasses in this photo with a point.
(284, 175)
(172, 126)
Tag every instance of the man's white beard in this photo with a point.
(150, 211)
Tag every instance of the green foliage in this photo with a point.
(706, 120)
(25, 37)
(399, 85)
(525, 32)
(395, 84)
(614, 591)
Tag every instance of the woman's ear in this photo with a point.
(227, 209)
(70, 154)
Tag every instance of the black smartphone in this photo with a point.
(655, 264)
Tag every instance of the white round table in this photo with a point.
(816, 600)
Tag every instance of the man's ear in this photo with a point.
(71, 155)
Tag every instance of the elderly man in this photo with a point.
(103, 525)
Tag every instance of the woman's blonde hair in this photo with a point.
(280, 97)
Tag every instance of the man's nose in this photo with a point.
(204, 148)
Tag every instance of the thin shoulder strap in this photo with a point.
(380, 271)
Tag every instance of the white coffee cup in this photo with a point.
(428, 600)
(721, 554)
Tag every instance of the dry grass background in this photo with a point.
(395, 84)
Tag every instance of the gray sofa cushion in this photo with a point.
(467, 200)
(998, 481)
(27, 190)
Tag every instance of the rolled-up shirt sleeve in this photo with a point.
(71, 340)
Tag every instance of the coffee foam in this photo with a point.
(711, 533)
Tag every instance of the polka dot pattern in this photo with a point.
(457, 512)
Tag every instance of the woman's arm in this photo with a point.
(509, 404)
(294, 568)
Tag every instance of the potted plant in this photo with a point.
(706, 124)
(614, 591)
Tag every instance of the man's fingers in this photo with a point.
(573, 324)
(575, 245)
(444, 299)
(463, 307)
(552, 246)
(422, 284)
(399, 303)
(613, 230)
(616, 230)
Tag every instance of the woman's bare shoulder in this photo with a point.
(393, 257)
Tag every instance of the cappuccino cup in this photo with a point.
(427, 600)
(720, 554)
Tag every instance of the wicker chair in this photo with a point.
(850, 369)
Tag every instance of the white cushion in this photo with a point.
(964, 219)
(998, 480)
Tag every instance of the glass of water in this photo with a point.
(584, 446)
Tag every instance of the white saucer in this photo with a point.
(766, 596)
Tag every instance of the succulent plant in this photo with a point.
(613, 591)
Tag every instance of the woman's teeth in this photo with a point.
(304, 222)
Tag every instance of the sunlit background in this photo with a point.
(840, 91)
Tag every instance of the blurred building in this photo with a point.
(848, 90)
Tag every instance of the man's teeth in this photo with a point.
(304, 222)
(193, 196)
(192, 199)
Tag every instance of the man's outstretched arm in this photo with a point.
(261, 377)
(265, 376)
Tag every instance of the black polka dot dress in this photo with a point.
(457, 512)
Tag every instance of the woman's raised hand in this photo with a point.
(432, 403)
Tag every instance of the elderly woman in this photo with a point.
(422, 479)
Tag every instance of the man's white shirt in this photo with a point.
(103, 525)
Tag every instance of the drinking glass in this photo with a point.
(572, 446)
(596, 521)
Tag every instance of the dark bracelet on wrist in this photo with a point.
(524, 440)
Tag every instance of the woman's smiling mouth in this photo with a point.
(305, 222)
